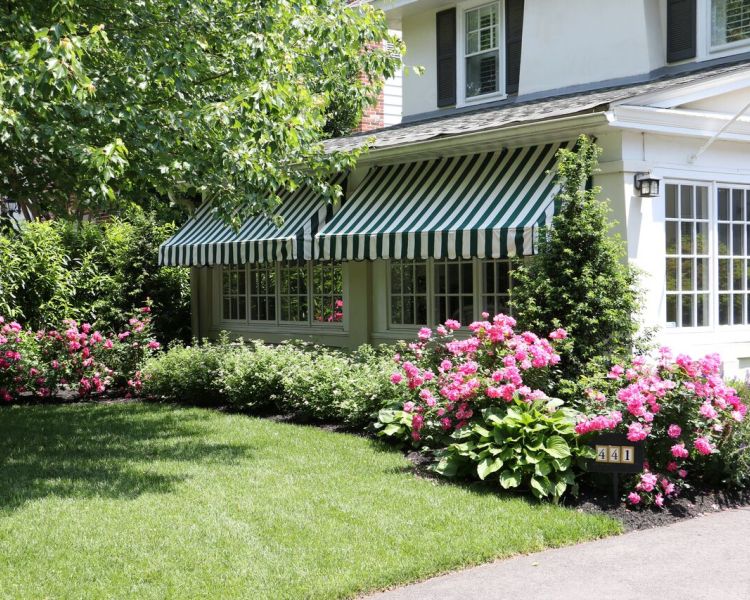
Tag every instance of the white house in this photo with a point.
(442, 200)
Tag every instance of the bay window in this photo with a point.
(730, 22)
(707, 255)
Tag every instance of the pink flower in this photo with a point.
(703, 446)
(123, 335)
(637, 432)
(425, 333)
(682, 473)
(408, 406)
(154, 345)
(616, 372)
(708, 411)
(108, 344)
(659, 500)
(396, 378)
(671, 466)
(679, 451)
(634, 498)
(558, 334)
(452, 324)
(674, 431)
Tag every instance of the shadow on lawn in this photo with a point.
(87, 451)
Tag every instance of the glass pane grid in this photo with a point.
(408, 292)
(327, 295)
(481, 52)
(687, 255)
(733, 212)
(234, 293)
(293, 292)
(263, 292)
(454, 290)
(730, 21)
(496, 287)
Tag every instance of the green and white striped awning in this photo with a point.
(487, 205)
(206, 240)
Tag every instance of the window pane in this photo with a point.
(686, 201)
(672, 310)
(723, 239)
(724, 274)
(671, 239)
(701, 203)
(686, 238)
(687, 310)
(701, 310)
(701, 238)
(723, 309)
(723, 202)
(671, 198)
(739, 301)
(454, 297)
(701, 274)
(672, 274)
(730, 21)
(738, 205)
(262, 292)
(482, 74)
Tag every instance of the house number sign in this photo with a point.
(616, 454)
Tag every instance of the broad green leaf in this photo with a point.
(508, 479)
(557, 447)
(488, 466)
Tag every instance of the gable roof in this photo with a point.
(527, 110)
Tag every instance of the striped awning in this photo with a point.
(487, 205)
(206, 240)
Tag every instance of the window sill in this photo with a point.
(474, 100)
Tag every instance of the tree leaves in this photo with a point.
(231, 96)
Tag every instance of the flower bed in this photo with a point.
(42, 363)
(479, 407)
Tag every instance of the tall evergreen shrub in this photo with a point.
(580, 279)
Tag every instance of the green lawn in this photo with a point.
(152, 501)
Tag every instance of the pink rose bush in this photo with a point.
(477, 405)
(78, 357)
(449, 380)
(681, 408)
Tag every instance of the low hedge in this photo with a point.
(311, 382)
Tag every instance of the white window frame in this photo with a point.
(731, 47)
(713, 264)
(478, 293)
(461, 10)
(277, 323)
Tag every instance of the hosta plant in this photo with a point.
(524, 444)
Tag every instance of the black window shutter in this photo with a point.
(513, 36)
(446, 57)
(681, 26)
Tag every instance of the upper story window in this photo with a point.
(482, 50)
(730, 22)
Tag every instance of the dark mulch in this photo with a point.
(690, 503)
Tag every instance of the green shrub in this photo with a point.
(521, 444)
(580, 279)
(97, 272)
(189, 374)
(252, 376)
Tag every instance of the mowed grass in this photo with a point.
(152, 501)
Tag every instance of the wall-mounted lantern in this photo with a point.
(646, 185)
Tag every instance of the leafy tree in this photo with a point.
(580, 279)
(104, 103)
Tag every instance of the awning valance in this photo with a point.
(486, 205)
(206, 240)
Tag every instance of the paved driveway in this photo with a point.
(703, 558)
